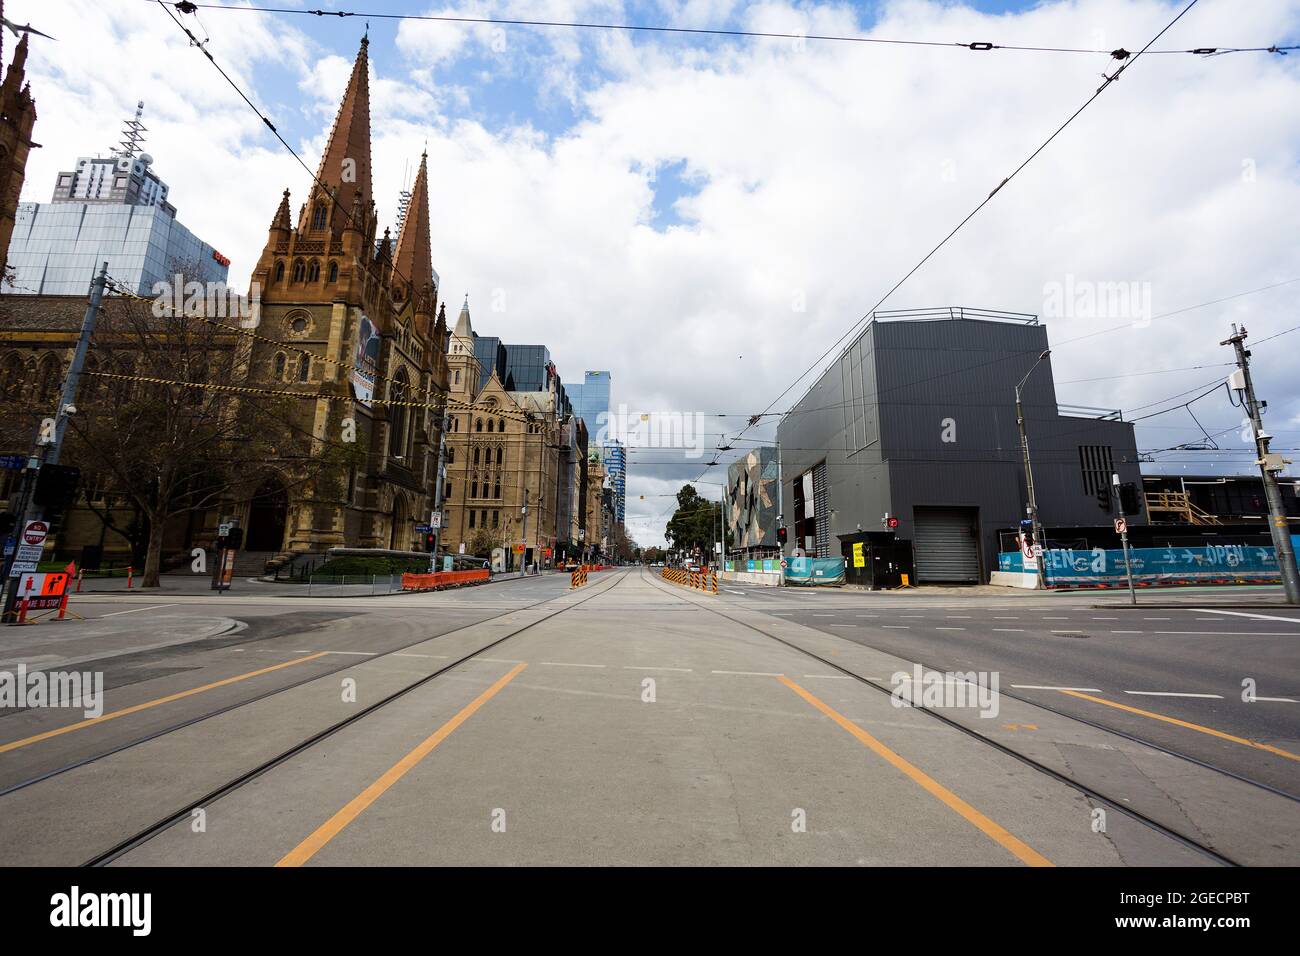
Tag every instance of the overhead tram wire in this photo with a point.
(1109, 80)
(977, 46)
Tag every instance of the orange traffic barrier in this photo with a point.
(130, 576)
(442, 579)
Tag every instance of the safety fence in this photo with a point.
(439, 580)
(1153, 567)
(706, 581)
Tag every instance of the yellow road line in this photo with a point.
(1015, 846)
(332, 827)
(136, 708)
(1183, 723)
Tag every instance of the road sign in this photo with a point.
(223, 530)
(13, 462)
(519, 549)
(35, 531)
(1121, 526)
(783, 564)
(435, 519)
(423, 529)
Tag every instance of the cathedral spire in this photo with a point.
(413, 262)
(281, 220)
(345, 163)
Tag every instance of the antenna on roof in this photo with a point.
(132, 134)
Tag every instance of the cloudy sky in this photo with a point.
(704, 216)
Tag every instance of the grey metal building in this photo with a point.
(917, 420)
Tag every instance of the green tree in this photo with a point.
(694, 523)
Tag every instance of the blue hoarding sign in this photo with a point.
(1205, 564)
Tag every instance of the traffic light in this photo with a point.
(7, 524)
(781, 534)
(1129, 503)
(429, 540)
(1103, 499)
(56, 485)
(235, 539)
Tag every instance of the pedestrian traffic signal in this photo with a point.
(56, 485)
(235, 538)
(1129, 503)
(781, 535)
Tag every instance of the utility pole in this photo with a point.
(49, 441)
(440, 481)
(523, 555)
(1036, 530)
(1122, 523)
(1269, 466)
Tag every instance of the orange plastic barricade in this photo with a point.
(442, 579)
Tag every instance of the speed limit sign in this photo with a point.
(1121, 526)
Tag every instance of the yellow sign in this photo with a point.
(859, 559)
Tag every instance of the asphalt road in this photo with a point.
(637, 722)
(1191, 663)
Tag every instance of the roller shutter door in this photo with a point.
(946, 546)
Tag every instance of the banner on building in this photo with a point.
(365, 361)
(1104, 567)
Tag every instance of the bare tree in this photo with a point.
(156, 435)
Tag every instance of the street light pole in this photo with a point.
(523, 555)
(1040, 552)
(49, 442)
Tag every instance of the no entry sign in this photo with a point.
(34, 532)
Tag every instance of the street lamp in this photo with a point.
(1035, 527)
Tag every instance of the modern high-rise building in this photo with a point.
(591, 400)
(110, 209)
(616, 468)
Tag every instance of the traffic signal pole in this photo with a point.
(48, 447)
(1269, 465)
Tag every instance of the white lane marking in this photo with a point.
(136, 609)
(847, 677)
(897, 627)
(1105, 619)
(1170, 693)
(1055, 618)
(1260, 617)
(1010, 630)
(399, 654)
(1157, 619)
(1087, 690)
(568, 664)
(844, 625)
(868, 615)
(1237, 633)
(355, 653)
(495, 660)
(1126, 632)
(748, 673)
(741, 593)
(823, 615)
(958, 617)
(950, 628)
(1004, 617)
(641, 667)
(1067, 632)
(1277, 700)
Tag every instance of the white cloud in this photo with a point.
(823, 171)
